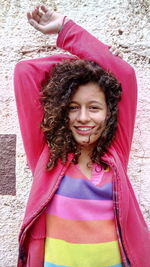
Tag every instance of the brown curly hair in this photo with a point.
(66, 77)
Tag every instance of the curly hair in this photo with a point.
(66, 77)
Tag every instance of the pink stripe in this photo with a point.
(102, 177)
(80, 209)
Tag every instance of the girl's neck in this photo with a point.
(85, 156)
(85, 162)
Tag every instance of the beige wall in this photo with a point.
(123, 23)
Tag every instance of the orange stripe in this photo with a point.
(83, 232)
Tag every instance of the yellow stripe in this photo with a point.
(70, 254)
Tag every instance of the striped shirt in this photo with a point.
(80, 225)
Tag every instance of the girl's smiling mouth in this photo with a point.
(84, 130)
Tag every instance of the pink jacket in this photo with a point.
(29, 75)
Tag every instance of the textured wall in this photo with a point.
(123, 23)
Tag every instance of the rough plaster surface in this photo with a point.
(123, 23)
(7, 166)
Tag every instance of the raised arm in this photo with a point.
(79, 42)
(73, 39)
(28, 78)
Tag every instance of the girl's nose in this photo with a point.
(83, 115)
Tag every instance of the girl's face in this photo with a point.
(87, 114)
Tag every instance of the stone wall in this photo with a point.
(125, 24)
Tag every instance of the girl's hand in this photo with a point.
(48, 22)
(115, 51)
(45, 20)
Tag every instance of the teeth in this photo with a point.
(84, 128)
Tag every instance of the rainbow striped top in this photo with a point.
(80, 225)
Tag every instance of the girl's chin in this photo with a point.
(86, 145)
(83, 142)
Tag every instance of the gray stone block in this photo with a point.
(7, 164)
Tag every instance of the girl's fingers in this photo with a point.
(37, 12)
(40, 14)
(36, 25)
(112, 48)
(29, 16)
(115, 51)
(33, 14)
(44, 8)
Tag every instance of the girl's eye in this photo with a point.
(94, 108)
(73, 108)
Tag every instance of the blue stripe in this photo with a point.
(116, 265)
(48, 264)
(83, 189)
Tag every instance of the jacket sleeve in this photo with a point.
(81, 43)
(28, 78)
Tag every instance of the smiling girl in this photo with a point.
(82, 211)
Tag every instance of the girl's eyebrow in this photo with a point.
(90, 102)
